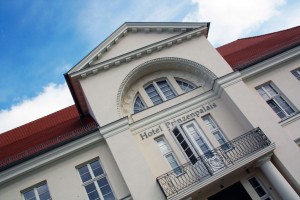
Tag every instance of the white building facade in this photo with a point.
(173, 118)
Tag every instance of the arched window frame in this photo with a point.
(142, 101)
(158, 90)
(187, 82)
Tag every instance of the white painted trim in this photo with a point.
(48, 157)
(114, 127)
(144, 51)
(127, 27)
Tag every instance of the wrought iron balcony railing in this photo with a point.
(218, 159)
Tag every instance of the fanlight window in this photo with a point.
(138, 105)
(186, 87)
(160, 91)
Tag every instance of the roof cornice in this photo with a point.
(144, 51)
(132, 27)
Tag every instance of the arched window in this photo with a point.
(138, 104)
(185, 86)
(160, 91)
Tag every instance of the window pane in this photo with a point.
(43, 192)
(92, 192)
(154, 96)
(97, 169)
(166, 89)
(138, 105)
(29, 195)
(109, 196)
(185, 86)
(84, 173)
(45, 196)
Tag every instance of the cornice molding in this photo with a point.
(134, 27)
(49, 157)
(269, 63)
(136, 54)
(114, 128)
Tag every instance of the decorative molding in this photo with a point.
(114, 128)
(48, 157)
(138, 72)
(87, 70)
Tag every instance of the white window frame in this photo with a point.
(138, 96)
(201, 134)
(272, 98)
(296, 73)
(267, 195)
(94, 178)
(34, 188)
(187, 82)
(216, 130)
(158, 90)
(169, 151)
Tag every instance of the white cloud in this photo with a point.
(53, 98)
(233, 19)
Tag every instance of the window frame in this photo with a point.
(177, 170)
(143, 102)
(94, 179)
(187, 82)
(216, 129)
(200, 132)
(35, 190)
(296, 73)
(272, 99)
(267, 195)
(159, 91)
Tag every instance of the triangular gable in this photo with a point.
(131, 33)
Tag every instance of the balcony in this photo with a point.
(190, 177)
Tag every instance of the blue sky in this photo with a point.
(41, 39)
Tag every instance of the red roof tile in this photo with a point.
(43, 132)
(242, 53)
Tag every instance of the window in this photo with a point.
(168, 154)
(95, 181)
(275, 100)
(296, 73)
(160, 91)
(198, 138)
(216, 131)
(138, 105)
(184, 143)
(259, 189)
(39, 192)
(186, 87)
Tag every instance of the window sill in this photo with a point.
(290, 119)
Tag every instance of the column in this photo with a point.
(277, 180)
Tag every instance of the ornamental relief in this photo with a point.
(167, 68)
(170, 75)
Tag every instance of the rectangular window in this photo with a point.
(39, 192)
(216, 131)
(275, 100)
(296, 73)
(262, 193)
(95, 181)
(168, 154)
(198, 138)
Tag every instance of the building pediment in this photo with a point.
(129, 42)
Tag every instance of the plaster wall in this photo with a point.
(105, 85)
(63, 178)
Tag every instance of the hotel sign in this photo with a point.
(191, 115)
